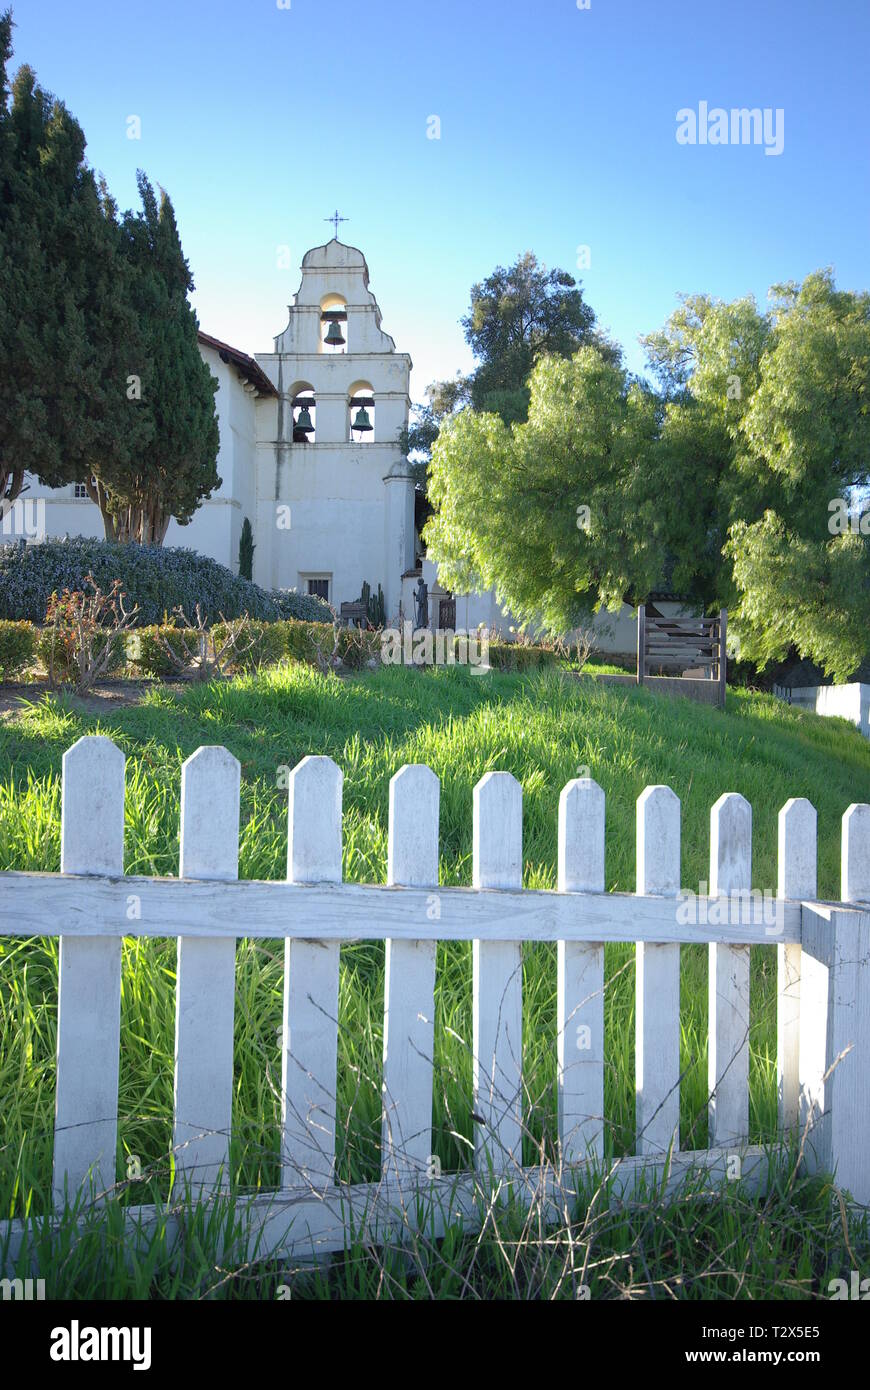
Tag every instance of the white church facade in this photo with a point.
(310, 455)
(309, 448)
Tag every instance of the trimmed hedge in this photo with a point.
(158, 578)
(355, 647)
(17, 648)
(261, 644)
(65, 664)
(145, 649)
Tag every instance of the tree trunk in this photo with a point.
(11, 486)
(146, 524)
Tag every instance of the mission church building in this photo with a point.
(310, 455)
(309, 451)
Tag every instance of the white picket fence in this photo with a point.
(823, 992)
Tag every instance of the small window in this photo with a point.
(80, 491)
(319, 588)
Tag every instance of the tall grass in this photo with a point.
(543, 728)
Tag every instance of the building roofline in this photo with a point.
(249, 368)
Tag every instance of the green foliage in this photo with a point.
(813, 596)
(59, 651)
(101, 379)
(517, 316)
(246, 551)
(178, 470)
(720, 489)
(259, 643)
(146, 649)
(156, 578)
(17, 648)
(66, 323)
(507, 498)
(311, 642)
(519, 656)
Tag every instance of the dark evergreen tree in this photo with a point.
(172, 387)
(518, 314)
(246, 551)
(101, 379)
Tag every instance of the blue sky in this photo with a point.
(558, 130)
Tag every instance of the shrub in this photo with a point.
(306, 608)
(315, 643)
(357, 646)
(206, 652)
(146, 649)
(302, 639)
(156, 578)
(17, 648)
(85, 636)
(263, 644)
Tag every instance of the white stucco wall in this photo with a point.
(850, 701)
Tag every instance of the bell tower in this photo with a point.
(335, 496)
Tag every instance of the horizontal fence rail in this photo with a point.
(823, 993)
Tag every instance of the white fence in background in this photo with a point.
(823, 991)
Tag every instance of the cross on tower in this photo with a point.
(335, 219)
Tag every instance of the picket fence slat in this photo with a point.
(728, 1071)
(310, 1032)
(205, 988)
(823, 1006)
(89, 982)
(855, 843)
(797, 878)
(409, 982)
(657, 980)
(580, 979)
(835, 1040)
(497, 983)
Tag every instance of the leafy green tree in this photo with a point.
(518, 315)
(725, 485)
(553, 513)
(802, 581)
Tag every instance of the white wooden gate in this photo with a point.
(823, 991)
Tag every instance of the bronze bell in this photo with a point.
(362, 421)
(303, 421)
(334, 335)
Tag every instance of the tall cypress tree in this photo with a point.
(178, 469)
(101, 379)
(67, 321)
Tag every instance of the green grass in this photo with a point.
(542, 728)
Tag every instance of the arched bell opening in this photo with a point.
(361, 413)
(304, 407)
(333, 324)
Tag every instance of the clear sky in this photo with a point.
(558, 130)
